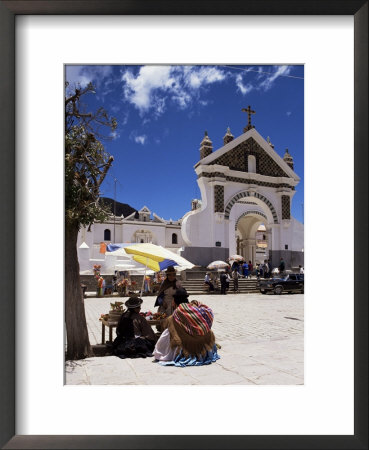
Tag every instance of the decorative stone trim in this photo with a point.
(218, 198)
(244, 181)
(248, 194)
(212, 175)
(237, 159)
(286, 205)
(250, 212)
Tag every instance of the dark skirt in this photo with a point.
(132, 347)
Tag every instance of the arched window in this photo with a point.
(174, 238)
(142, 241)
(252, 163)
(107, 235)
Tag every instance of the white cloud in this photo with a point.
(244, 89)
(154, 86)
(270, 79)
(140, 139)
(288, 113)
(197, 77)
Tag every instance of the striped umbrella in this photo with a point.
(151, 256)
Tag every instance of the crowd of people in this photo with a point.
(185, 335)
(243, 269)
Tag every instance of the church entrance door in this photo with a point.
(251, 243)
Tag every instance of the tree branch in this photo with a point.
(107, 167)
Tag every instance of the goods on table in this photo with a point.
(159, 316)
(147, 315)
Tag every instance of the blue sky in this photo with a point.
(163, 111)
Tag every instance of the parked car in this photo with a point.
(292, 282)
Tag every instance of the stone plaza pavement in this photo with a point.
(261, 339)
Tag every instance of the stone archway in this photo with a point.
(246, 227)
(255, 195)
(245, 212)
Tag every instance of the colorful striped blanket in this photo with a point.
(195, 318)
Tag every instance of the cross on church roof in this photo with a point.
(249, 111)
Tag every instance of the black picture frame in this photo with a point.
(8, 11)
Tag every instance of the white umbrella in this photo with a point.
(236, 258)
(218, 265)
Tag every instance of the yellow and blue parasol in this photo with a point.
(153, 256)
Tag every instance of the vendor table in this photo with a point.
(111, 325)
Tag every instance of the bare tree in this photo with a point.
(86, 165)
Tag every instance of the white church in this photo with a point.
(245, 187)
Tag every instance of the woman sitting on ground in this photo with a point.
(187, 339)
(135, 338)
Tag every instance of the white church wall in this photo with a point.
(129, 231)
(297, 232)
(168, 237)
(98, 231)
(197, 226)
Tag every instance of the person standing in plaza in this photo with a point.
(266, 269)
(282, 267)
(245, 269)
(223, 283)
(251, 268)
(235, 276)
(269, 268)
(260, 271)
(101, 286)
(166, 291)
(228, 280)
(214, 280)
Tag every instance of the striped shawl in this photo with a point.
(189, 329)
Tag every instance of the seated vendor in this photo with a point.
(135, 338)
(187, 339)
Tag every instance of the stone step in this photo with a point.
(201, 283)
(196, 287)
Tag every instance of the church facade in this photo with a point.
(245, 186)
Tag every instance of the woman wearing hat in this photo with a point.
(187, 339)
(135, 338)
(166, 291)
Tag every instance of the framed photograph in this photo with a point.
(329, 40)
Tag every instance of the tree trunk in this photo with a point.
(78, 344)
